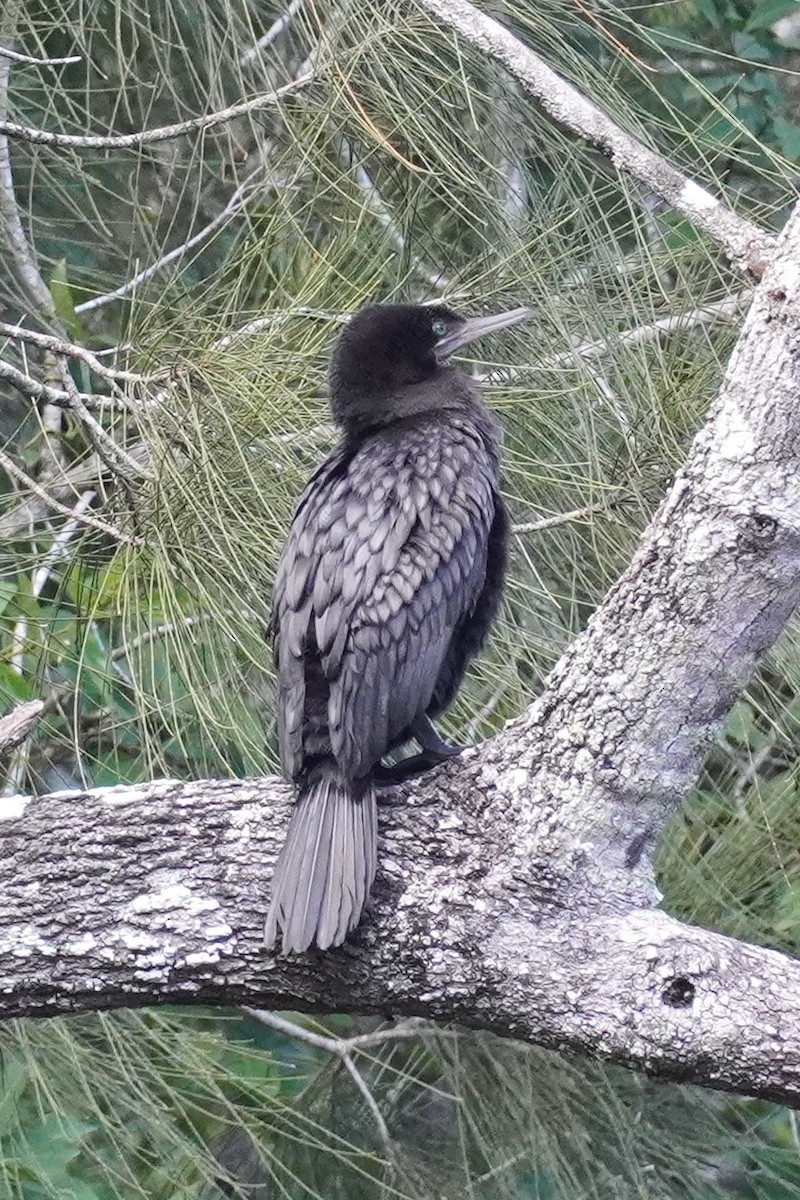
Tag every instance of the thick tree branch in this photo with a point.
(748, 246)
(514, 892)
(131, 895)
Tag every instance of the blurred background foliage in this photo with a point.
(220, 264)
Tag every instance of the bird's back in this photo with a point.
(385, 561)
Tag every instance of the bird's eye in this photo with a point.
(439, 327)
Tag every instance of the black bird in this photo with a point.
(389, 580)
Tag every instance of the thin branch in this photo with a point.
(412, 1027)
(16, 56)
(60, 542)
(378, 207)
(18, 724)
(114, 456)
(342, 1048)
(272, 320)
(65, 486)
(57, 345)
(486, 710)
(747, 245)
(636, 335)
(730, 306)
(566, 518)
(26, 267)
(35, 390)
(148, 137)
(17, 248)
(230, 210)
(158, 631)
(273, 33)
(168, 627)
(19, 637)
(16, 473)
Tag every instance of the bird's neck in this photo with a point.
(444, 394)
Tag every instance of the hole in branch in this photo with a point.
(679, 992)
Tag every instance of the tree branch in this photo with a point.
(748, 246)
(8, 465)
(515, 891)
(132, 895)
(148, 137)
(31, 60)
(275, 30)
(235, 205)
(64, 488)
(59, 346)
(16, 725)
(58, 397)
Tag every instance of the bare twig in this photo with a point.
(750, 773)
(158, 631)
(748, 246)
(566, 518)
(85, 474)
(16, 56)
(486, 710)
(17, 242)
(35, 390)
(343, 1049)
(271, 320)
(275, 30)
(19, 637)
(20, 254)
(730, 306)
(15, 472)
(233, 206)
(25, 264)
(637, 335)
(378, 207)
(167, 627)
(148, 137)
(60, 542)
(115, 456)
(57, 345)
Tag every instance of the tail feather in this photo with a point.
(334, 900)
(326, 867)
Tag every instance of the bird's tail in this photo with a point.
(326, 867)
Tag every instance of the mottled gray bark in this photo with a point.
(129, 896)
(515, 891)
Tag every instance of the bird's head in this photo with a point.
(391, 360)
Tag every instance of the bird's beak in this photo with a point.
(477, 327)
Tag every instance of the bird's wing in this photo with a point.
(387, 554)
(292, 617)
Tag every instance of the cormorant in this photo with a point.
(388, 582)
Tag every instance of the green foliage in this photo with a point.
(409, 168)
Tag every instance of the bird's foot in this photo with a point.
(424, 731)
(417, 764)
